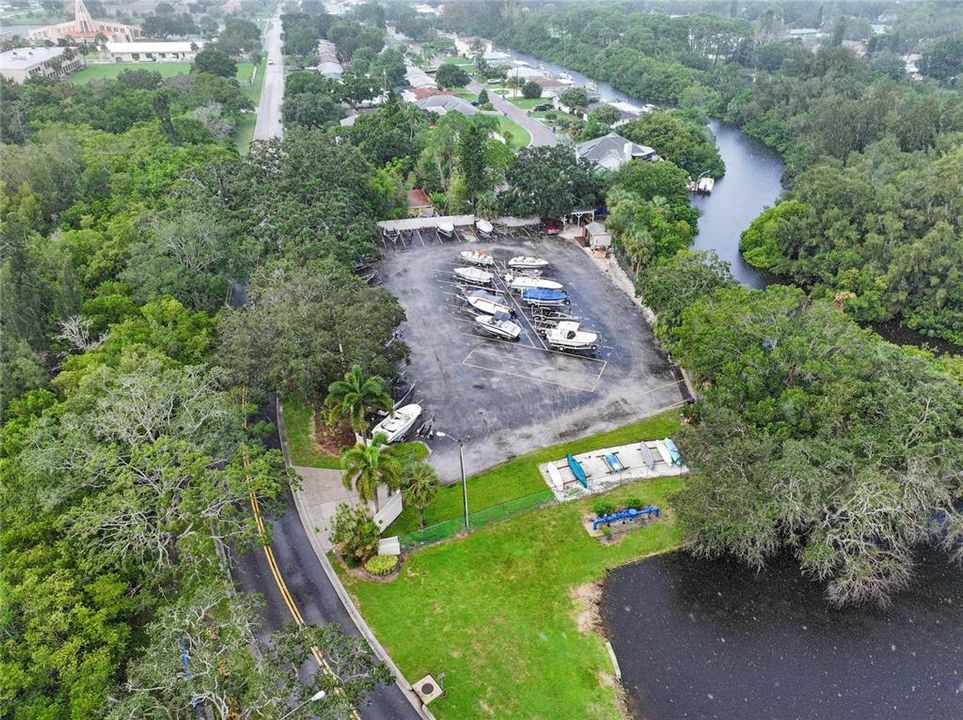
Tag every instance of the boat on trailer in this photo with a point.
(473, 275)
(477, 257)
(489, 304)
(398, 423)
(569, 335)
(446, 229)
(544, 297)
(527, 262)
(527, 282)
(500, 325)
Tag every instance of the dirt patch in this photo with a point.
(330, 440)
(587, 598)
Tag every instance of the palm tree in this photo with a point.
(368, 465)
(354, 397)
(421, 487)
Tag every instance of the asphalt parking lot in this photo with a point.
(508, 397)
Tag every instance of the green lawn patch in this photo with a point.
(519, 479)
(244, 132)
(251, 82)
(520, 137)
(526, 103)
(109, 71)
(496, 611)
(298, 431)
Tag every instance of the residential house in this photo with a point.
(419, 204)
(443, 104)
(612, 151)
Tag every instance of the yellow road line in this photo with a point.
(276, 570)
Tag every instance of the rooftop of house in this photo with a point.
(175, 46)
(28, 57)
(442, 104)
(612, 151)
(418, 199)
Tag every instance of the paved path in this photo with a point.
(272, 92)
(541, 135)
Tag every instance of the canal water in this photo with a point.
(713, 639)
(751, 184)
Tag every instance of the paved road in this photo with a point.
(272, 93)
(311, 591)
(541, 135)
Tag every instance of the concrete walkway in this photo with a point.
(541, 135)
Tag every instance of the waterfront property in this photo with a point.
(508, 611)
(612, 151)
(29, 63)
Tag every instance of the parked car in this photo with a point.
(551, 226)
(542, 107)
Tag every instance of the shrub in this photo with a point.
(634, 503)
(531, 90)
(603, 507)
(381, 564)
(355, 533)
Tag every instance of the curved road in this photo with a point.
(309, 587)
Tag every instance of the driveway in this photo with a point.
(541, 135)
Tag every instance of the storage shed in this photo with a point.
(598, 237)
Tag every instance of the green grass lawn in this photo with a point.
(495, 611)
(244, 133)
(520, 136)
(109, 71)
(297, 428)
(520, 478)
(526, 103)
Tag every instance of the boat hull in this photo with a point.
(477, 258)
(527, 263)
(505, 330)
(473, 275)
(397, 425)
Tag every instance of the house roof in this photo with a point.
(28, 57)
(609, 151)
(596, 228)
(174, 46)
(442, 104)
(418, 78)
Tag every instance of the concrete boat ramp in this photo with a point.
(638, 461)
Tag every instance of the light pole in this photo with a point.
(461, 461)
(319, 695)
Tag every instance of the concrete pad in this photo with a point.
(510, 398)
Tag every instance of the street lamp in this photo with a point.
(461, 461)
(319, 695)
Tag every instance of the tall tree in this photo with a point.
(354, 396)
(420, 488)
(368, 465)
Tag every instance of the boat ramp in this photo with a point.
(598, 471)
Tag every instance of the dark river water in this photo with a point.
(699, 639)
(713, 639)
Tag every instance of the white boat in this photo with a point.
(527, 262)
(524, 282)
(484, 227)
(705, 185)
(398, 423)
(476, 276)
(568, 335)
(500, 325)
(446, 229)
(477, 257)
(487, 303)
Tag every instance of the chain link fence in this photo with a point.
(476, 520)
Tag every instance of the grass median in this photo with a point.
(502, 612)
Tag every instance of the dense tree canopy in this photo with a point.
(549, 182)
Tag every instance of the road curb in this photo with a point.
(339, 588)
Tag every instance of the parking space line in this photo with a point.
(529, 378)
(595, 382)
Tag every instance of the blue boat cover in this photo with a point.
(614, 463)
(577, 471)
(673, 451)
(543, 294)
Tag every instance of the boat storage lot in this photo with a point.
(512, 397)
